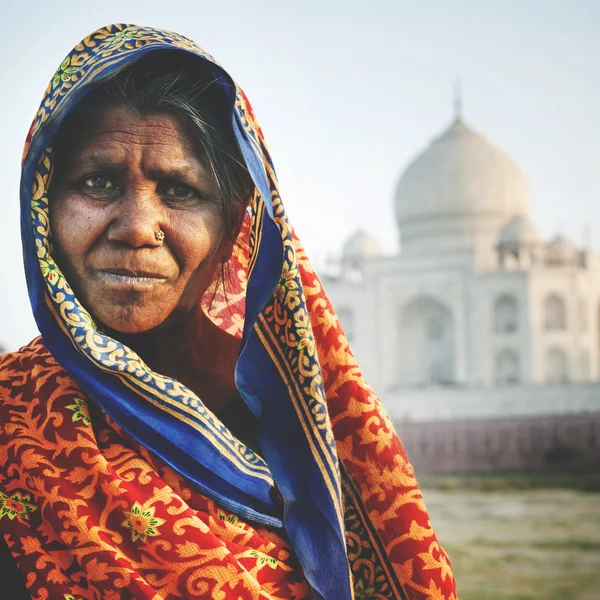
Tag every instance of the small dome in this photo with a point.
(361, 245)
(518, 232)
(561, 249)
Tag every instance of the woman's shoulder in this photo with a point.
(21, 372)
(33, 354)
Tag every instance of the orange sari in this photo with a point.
(117, 482)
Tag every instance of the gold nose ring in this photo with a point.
(159, 236)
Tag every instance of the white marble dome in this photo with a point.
(518, 232)
(561, 250)
(461, 174)
(361, 245)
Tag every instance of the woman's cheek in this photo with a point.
(75, 227)
(197, 241)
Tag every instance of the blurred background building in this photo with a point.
(477, 318)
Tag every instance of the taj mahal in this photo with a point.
(477, 316)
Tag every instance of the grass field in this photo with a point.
(525, 544)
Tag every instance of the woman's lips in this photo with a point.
(130, 279)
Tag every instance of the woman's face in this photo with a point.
(125, 178)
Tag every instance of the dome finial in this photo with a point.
(458, 101)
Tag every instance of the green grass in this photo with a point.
(583, 545)
(561, 544)
(525, 544)
(583, 480)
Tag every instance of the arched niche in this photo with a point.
(426, 343)
(557, 366)
(506, 314)
(508, 367)
(555, 313)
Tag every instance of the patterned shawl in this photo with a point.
(88, 427)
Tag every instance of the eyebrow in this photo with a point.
(183, 169)
(174, 169)
(97, 160)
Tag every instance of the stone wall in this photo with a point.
(515, 443)
(446, 403)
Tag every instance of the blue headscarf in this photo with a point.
(277, 373)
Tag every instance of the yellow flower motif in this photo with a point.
(292, 300)
(262, 559)
(287, 282)
(49, 270)
(305, 341)
(16, 505)
(142, 522)
(65, 72)
(231, 519)
(362, 592)
(120, 39)
(81, 410)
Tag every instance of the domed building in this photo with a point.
(477, 315)
(360, 246)
(457, 195)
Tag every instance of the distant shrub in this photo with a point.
(495, 485)
(560, 455)
(591, 485)
(450, 485)
(523, 483)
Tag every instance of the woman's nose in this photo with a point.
(139, 215)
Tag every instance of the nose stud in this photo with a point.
(159, 236)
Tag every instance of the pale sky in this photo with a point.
(347, 94)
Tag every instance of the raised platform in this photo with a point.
(503, 443)
(454, 403)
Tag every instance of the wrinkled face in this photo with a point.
(125, 178)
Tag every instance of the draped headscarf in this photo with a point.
(331, 472)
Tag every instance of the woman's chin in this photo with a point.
(132, 323)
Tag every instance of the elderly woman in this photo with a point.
(191, 422)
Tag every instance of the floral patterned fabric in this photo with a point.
(98, 501)
(88, 513)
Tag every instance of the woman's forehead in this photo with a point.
(121, 123)
(119, 135)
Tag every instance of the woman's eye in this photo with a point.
(179, 190)
(99, 183)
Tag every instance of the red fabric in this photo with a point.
(373, 456)
(88, 513)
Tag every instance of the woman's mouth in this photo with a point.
(127, 279)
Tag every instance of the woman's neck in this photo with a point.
(193, 350)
